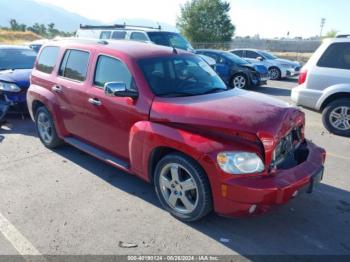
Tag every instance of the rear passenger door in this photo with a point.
(71, 90)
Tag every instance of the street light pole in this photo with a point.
(323, 21)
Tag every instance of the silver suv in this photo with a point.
(324, 85)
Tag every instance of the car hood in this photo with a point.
(286, 61)
(18, 76)
(234, 112)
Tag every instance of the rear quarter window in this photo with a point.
(48, 59)
(337, 56)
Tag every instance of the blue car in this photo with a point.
(236, 72)
(16, 63)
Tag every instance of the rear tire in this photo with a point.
(336, 117)
(182, 187)
(46, 128)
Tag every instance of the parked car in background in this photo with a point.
(167, 117)
(137, 33)
(236, 72)
(324, 85)
(16, 63)
(37, 44)
(278, 68)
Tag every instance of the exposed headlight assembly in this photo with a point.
(9, 87)
(239, 163)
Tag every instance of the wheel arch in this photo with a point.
(332, 93)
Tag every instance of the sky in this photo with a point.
(268, 18)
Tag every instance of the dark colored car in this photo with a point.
(169, 119)
(236, 72)
(16, 63)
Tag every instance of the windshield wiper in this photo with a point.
(178, 94)
(214, 90)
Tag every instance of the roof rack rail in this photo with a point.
(117, 26)
(343, 36)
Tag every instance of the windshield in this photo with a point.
(170, 39)
(268, 55)
(234, 58)
(17, 58)
(180, 76)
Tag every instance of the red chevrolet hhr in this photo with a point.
(165, 116)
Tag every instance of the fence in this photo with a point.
(291, 49)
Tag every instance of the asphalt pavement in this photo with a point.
(65, 202)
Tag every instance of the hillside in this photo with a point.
(12, 37)
(29, 12)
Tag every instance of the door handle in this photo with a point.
(95, 101)
(56, 89)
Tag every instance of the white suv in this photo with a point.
(324, 85)
(137, 33)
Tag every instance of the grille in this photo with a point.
(287, 146)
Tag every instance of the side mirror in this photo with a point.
(260, 58)
(119, 89)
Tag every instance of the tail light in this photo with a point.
(302, 77)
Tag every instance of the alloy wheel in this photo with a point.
(239, 82)
(274, 73)
(45, 127)
(178, 188)
(340, 118)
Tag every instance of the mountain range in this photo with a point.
(30, 12)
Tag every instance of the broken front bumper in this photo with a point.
(4, 105)
(253, 195)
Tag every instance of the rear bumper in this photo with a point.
(305, 97)
(253, 195)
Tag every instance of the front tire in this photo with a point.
(336, 117)
(275, 73)
(182, 187)
(239, 81)
(46, 129)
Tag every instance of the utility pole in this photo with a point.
(323, 21)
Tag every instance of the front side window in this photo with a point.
(252, 54)
(336, 56)
(48, 59)
(74, 65)
(138, 36)
(234, 58)
(14, 58)
(118, 35)
(180, 76)
(170, 39)
(109, 69)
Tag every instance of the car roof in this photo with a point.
(133, 49)
(211, 50)
(338, 40)
(14, 47)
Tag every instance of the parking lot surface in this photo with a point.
(64, 201)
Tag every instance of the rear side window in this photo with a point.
(238, 52)
(118, 35)
(105, 35)
(109, 69)
(337, 55)
(74, 65)
(138, 36)
(47, 59)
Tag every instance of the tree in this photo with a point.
(206, 21)
(331, 34)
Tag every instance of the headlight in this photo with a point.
(240, 163)
(9, 87)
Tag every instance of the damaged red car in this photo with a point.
(165, 116)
